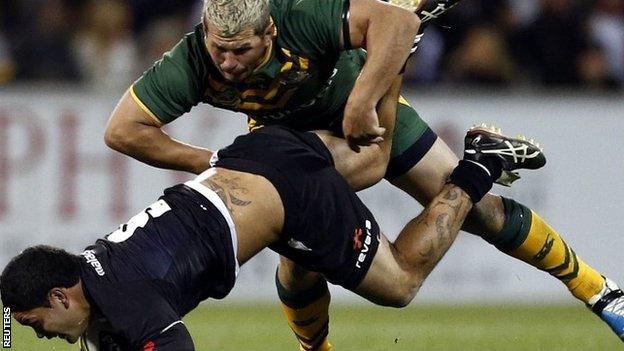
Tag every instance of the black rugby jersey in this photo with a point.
(154, 269)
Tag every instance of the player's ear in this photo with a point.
(271, 30)
(59, 296)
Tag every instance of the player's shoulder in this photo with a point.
(308, 27)
(282, 10)
(190, 47)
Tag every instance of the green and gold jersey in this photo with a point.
(303, 83)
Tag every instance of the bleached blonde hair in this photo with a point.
(231, 17)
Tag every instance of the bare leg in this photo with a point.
(399, 269)
(305, 303)
(511, 227)
(309, 290)
(426, 179)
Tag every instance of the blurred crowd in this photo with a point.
(549, 43)
(106, 44)
(99, 44)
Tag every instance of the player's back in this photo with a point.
(177, 250)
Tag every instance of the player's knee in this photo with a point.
(407, 281)
(372, 172)
(404, 300)
(403, 293)
(410, 291)
(294, 277)
(401, 298)
(373, 175)
(378, 169)
(487, 217)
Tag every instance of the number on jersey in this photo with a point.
(125, 231)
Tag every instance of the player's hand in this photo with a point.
(360, 125)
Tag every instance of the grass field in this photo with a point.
(222, 326)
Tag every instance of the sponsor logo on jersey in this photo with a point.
(357, 239)
(362, 245)
(296, 244)
(91, 259)
(149, 346)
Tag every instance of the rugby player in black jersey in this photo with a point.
(274, 187)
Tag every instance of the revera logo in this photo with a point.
(89, 255)
(364, 246)
(357, 239)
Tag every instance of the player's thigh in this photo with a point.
(294, 277)
(425, 179)
(420, 162)
(387, 283)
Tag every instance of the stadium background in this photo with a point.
(553, 69)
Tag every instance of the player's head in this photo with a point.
(40, 287)
(239, 34)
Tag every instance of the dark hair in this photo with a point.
(28, 278)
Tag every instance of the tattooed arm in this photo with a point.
(366, 166)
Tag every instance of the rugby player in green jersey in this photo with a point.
(302, 64)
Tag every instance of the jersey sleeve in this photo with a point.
(136, 309)
(174, 84)
(311, 27)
